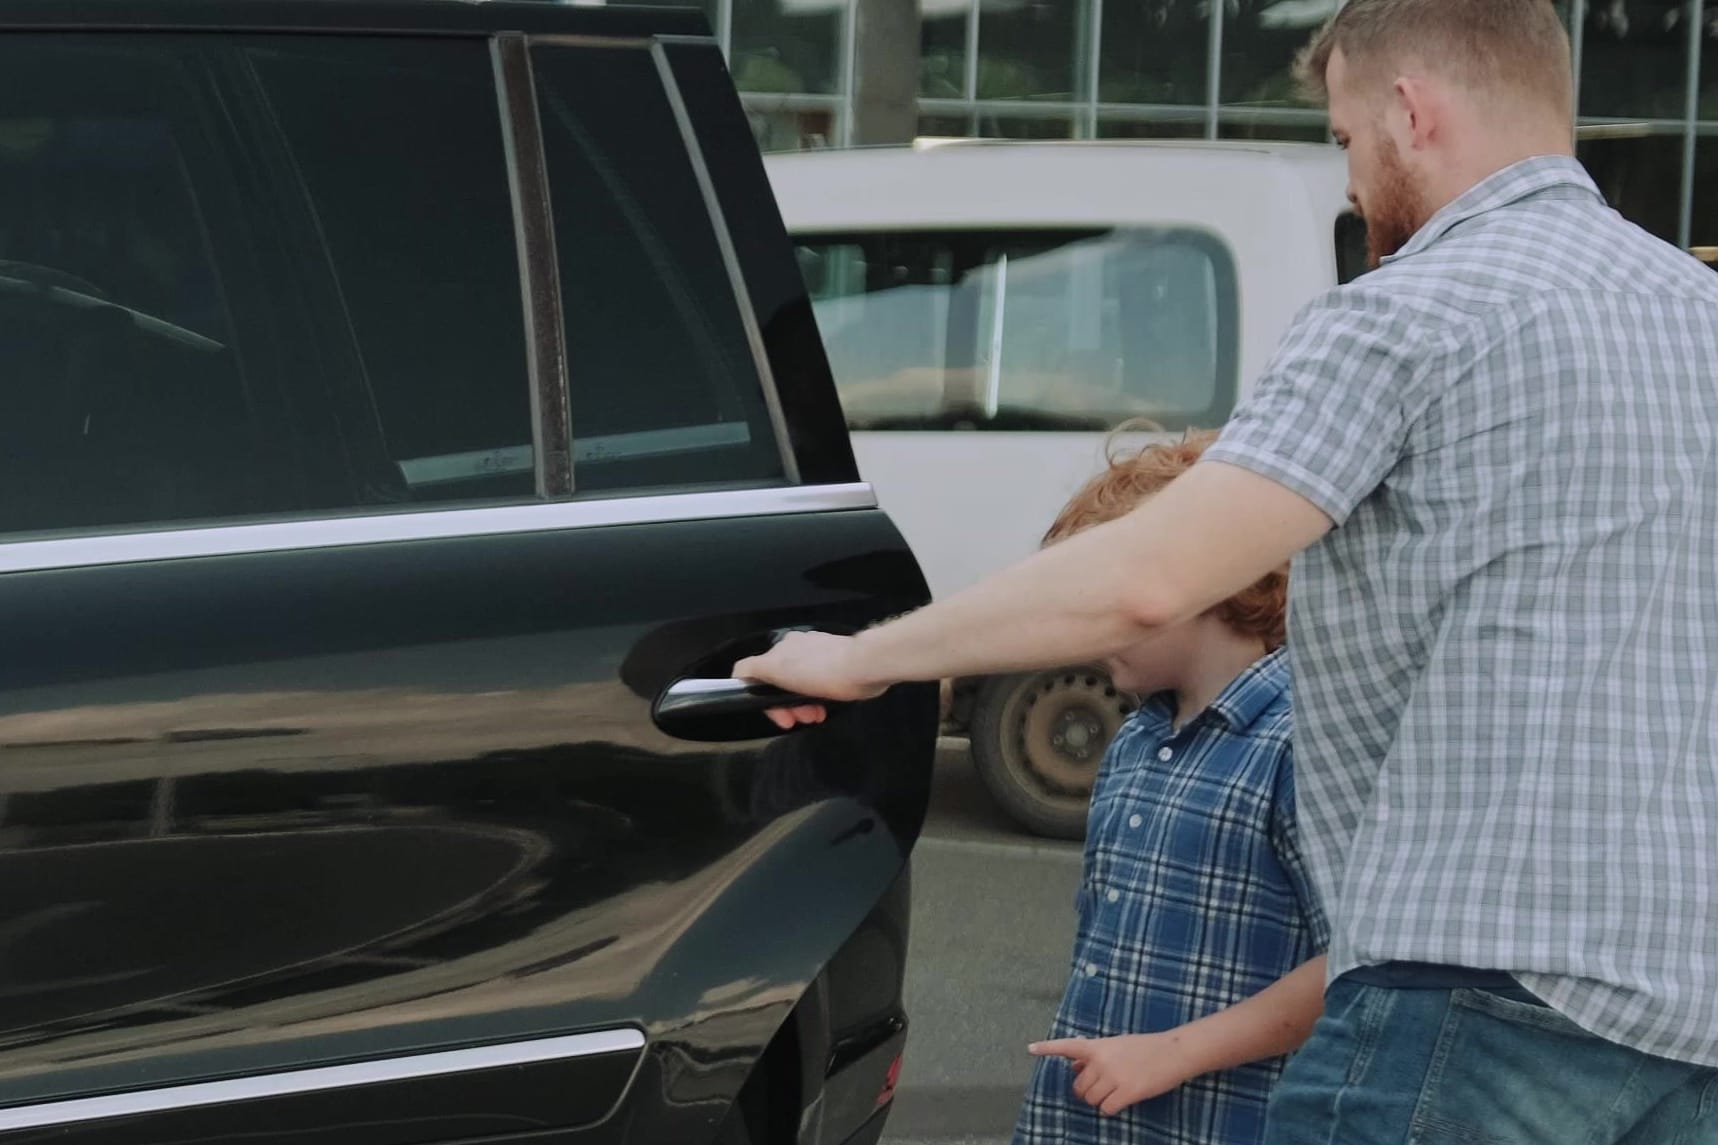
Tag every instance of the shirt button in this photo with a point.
(1091, 970)
(1114, 896)
(1165, 754)
(1134, 821)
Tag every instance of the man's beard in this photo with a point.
(1398, 208)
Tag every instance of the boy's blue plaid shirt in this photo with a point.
(1194, 898)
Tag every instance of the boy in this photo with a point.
(1197, 961)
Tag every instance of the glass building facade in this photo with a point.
(1220, 69)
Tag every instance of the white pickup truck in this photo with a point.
(993, 311)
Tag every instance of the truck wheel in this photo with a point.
(1037, 741)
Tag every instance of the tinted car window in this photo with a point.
(217, 298)
(398, 144)
(1351, 256)
(665, 388)
(1028, 329)
(125, 396)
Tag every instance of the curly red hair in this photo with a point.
(1131, 477)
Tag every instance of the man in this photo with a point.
(1496, 457)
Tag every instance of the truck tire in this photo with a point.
(1037, 740)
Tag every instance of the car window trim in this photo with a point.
(713, 210)
(318, 1079)
(539, 270)
(730, 261)
(341, 531)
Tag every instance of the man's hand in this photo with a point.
(812, 664)
(1114, 1073)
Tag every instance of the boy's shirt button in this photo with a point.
(1134, 821)
(1114, 896)
(1165, 754)
(1091, 970)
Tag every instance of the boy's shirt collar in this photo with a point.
(1243, 701)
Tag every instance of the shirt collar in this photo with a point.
(1243, 701)
(1250, 693)
(1510, 185)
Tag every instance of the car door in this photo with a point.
(389, 424)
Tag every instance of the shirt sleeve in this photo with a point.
(1285, 840)
(1328, 419)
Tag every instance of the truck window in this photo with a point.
(1023, 330)
(1350, 247)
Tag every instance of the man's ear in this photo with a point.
(1418, 110)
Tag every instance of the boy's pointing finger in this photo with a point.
(1073, 1049)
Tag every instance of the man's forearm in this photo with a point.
(1210, 534)
(1275, 1021)
(1067, 604)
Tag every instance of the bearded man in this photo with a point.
(1494, 460)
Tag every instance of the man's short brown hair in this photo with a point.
(1517, 46)
(1129, 479)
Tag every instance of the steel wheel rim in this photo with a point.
(1061, 726)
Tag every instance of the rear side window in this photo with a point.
(397, 147)
(1026, 330)
(666, 389)
(253, 276)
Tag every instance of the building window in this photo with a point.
(1703, 228)
(1191, 127)
(1028, 49)
(1154, 51)
(1707, 101)
(787, 45)
(1261, 39)
(1639, 169)
(1635, 59)
(778, 128)
(1233, 124)
(943, 48)
(995, 124)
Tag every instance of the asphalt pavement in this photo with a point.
(993, 926)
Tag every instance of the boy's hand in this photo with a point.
(1114, 1073)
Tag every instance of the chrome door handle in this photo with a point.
(693, 698)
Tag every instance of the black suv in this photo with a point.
(408, 413)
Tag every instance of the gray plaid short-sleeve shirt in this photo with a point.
(1504, 655)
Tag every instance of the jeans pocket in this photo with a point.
(1508, 1072)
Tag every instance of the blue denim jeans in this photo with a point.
(1395, 1066)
